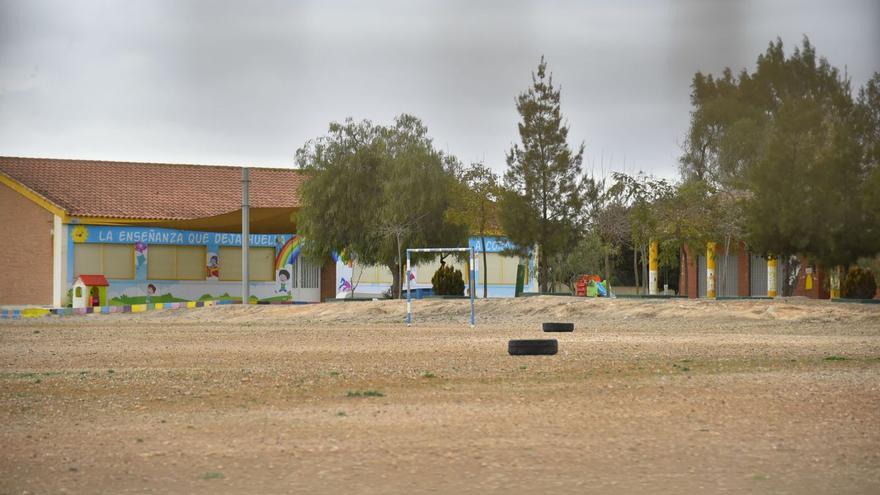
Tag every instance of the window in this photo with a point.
(261, 263)
(111, 260)
(311, 275)
(176, 262)
(500, 269)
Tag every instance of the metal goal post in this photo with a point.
(471, 280)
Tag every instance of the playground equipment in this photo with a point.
(471, 277)
(591, 286)
(90, 291)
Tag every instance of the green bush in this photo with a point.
(859, 284)
(448, 281)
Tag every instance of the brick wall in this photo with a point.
(820, 280)
(25, 250)
(688, 287)
(742, 273)
(328, 280)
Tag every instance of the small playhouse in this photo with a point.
(90, 291)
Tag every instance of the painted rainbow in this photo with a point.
(288, 253)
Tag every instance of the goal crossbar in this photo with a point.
(471, 280)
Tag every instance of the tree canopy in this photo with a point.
(542, 206)
(374, 191)
(791, 147)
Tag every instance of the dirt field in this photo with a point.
(644, 397)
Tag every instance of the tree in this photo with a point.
(587, 257)
(868, 131)
(786, 147)
(687, 222)
(640, 192)
(475, 205)
(375, 190)
(541, 205)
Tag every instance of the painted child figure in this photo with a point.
(283, 277)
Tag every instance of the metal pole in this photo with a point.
(473, 285)
(245, 235)
(408, 293)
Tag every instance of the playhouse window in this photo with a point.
(79, 292)
(111, 260)
(176, 262)
(261, 263)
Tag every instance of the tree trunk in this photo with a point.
(399, 268)
(395, 281)
(687, 281)
(608, 270)
(485, 271)
(636, 268)
(543, 283)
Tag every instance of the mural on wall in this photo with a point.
(140, 259)
(344, 273)
(282, 278)
(494, 244)
(141, 289)
(288, 252)
(213, 266)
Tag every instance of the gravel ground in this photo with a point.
(654, 396)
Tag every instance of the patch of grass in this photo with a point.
(428, 374)
(523, 367)
(19, 374)
(686, 360)
(364, 393)
(212, 475)
(341, 414)
(760, 477)
(111, 371)
(835, 358)
(333, 373)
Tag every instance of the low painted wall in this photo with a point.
(143, 290)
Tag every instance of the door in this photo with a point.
(305, 281)
(727, 275)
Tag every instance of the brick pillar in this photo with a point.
(822, 284)
(328, 280)
(817, 289)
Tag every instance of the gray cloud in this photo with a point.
(248, 83)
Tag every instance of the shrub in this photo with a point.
(859, 284)
(448, 281)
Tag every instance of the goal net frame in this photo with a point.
(471, 275)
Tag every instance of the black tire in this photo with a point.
(533, 347)
(558, 327)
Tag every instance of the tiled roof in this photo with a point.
(151, 190)
(94, 280)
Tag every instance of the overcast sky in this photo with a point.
(247, 83)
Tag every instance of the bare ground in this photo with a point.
(650, 396)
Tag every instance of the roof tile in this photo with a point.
(151, 190)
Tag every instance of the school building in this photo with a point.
(155, 232)
(740, 273)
